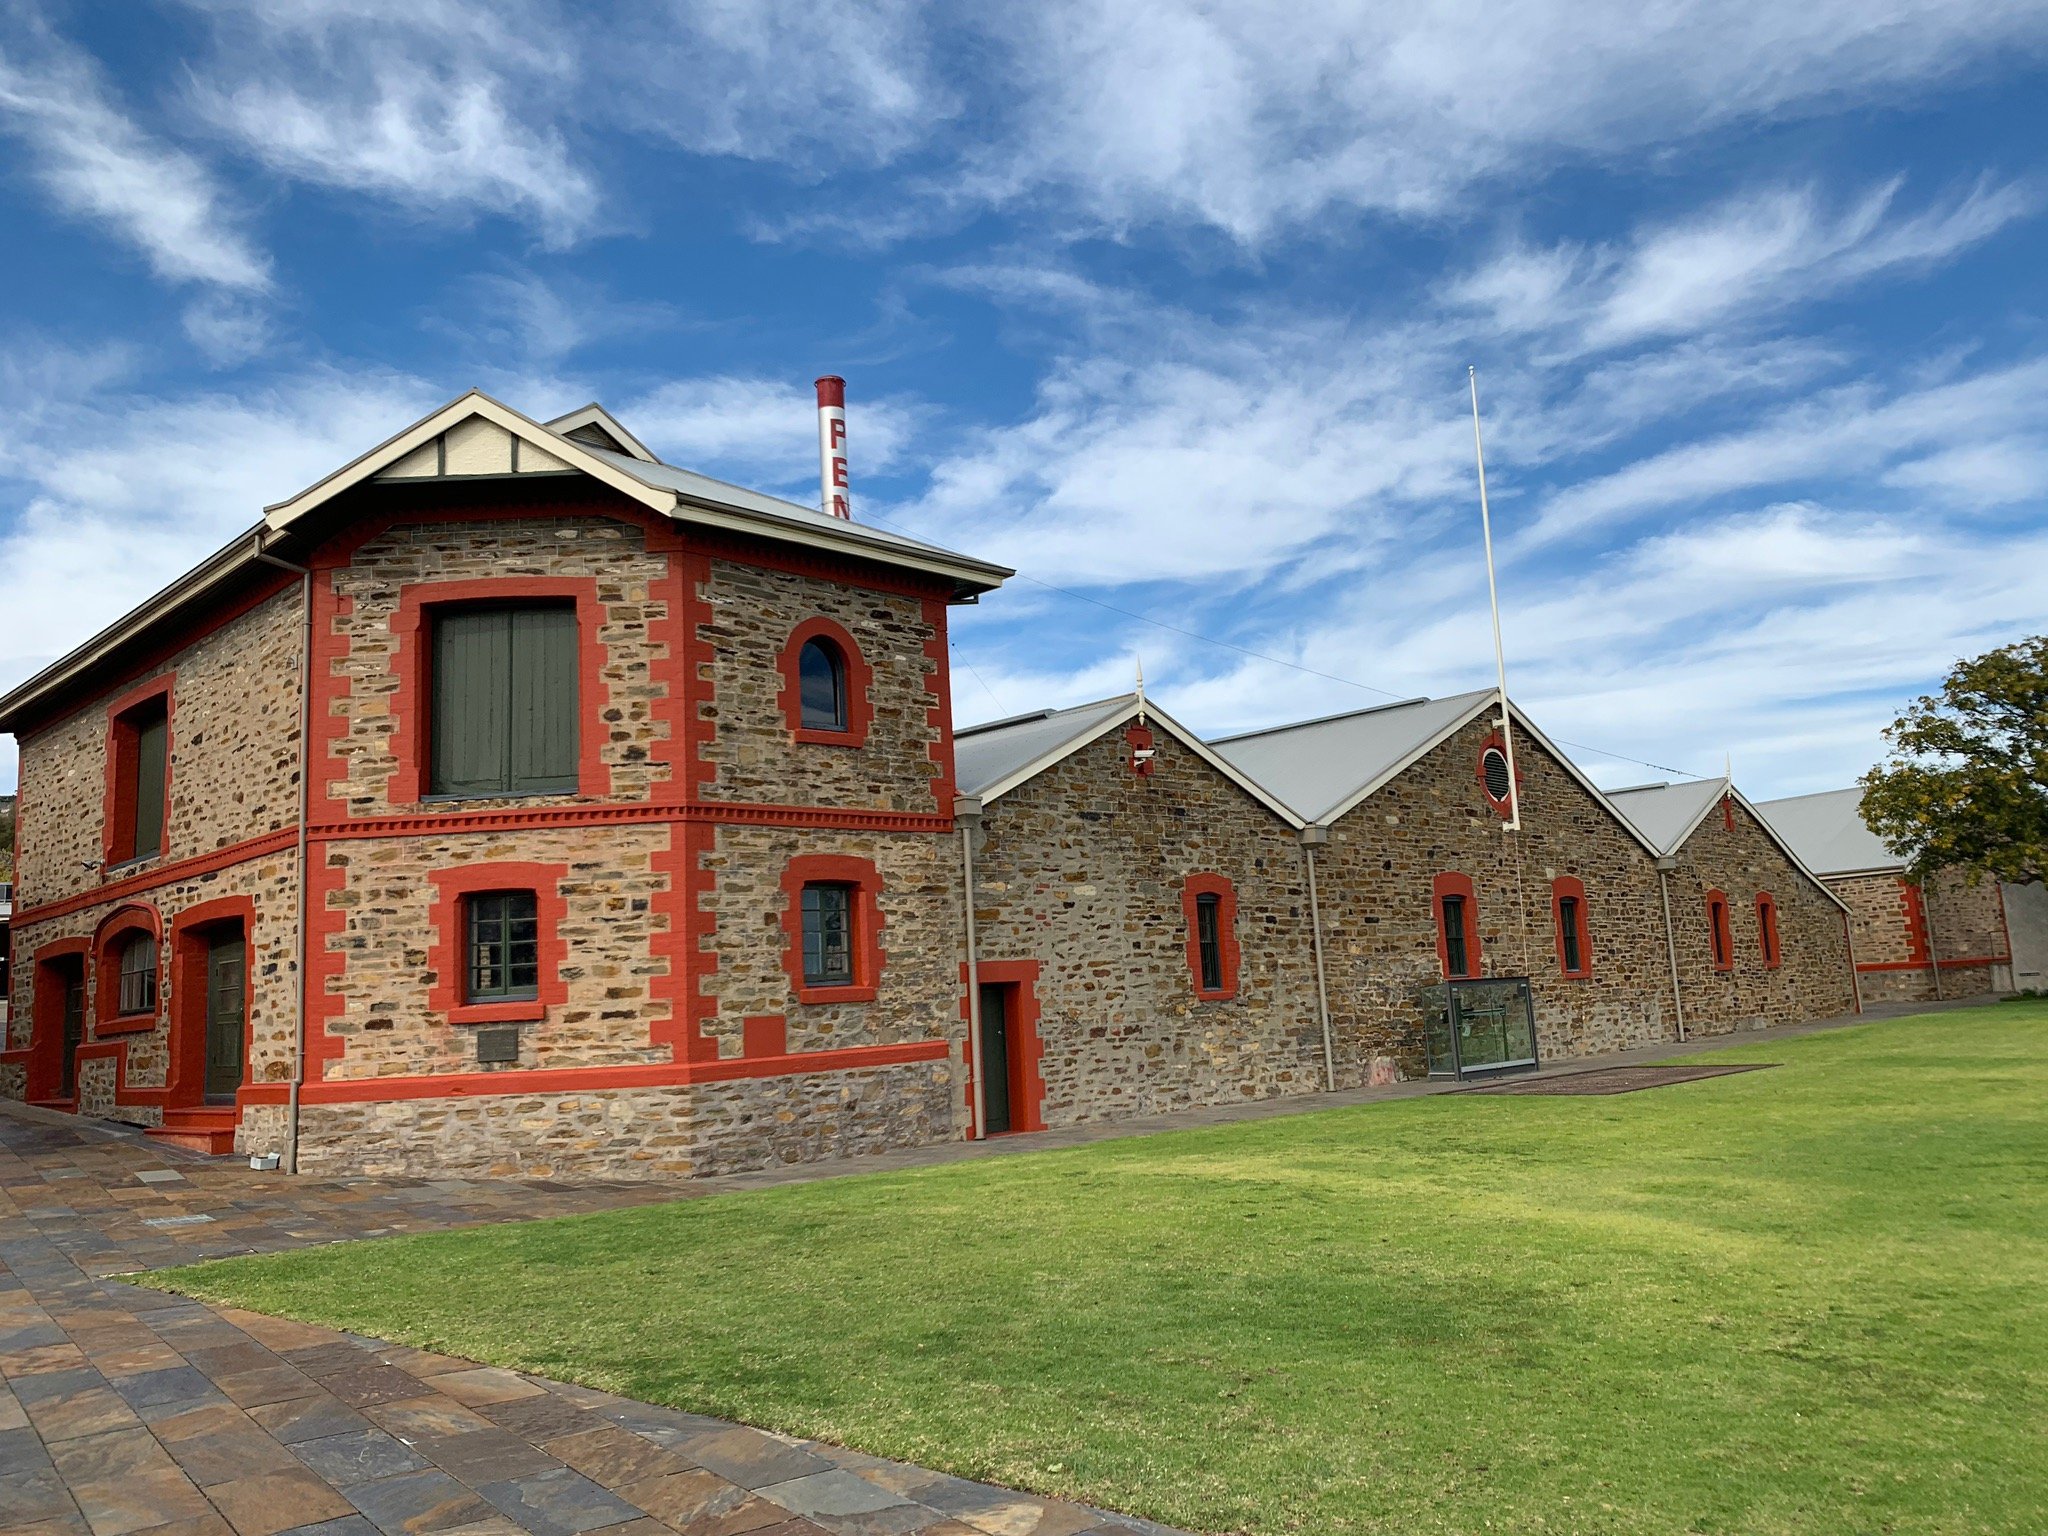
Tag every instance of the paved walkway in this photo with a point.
(125, 1410)
(129, 1411)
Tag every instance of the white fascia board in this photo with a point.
(475, 403)
(1782, 846)
(1379, 781)
(594, 414)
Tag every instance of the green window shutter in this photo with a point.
(151, 739)
(472, 687)
(543, 701)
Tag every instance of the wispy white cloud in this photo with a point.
(766, 430)
(99, 164)
(1744, 259)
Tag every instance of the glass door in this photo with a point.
(1484, 1026)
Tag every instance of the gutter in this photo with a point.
(298, 1078)
(1313, 838)
(1664, 867)
(967, 814)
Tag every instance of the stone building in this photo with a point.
(624, 805)
(1757, 938)
(1916, 941)
(1451, 942)
(1143, 927)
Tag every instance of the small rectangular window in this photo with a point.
(1767, 931)
(1209, 939)
(1717, 932)
(1568, 927)
(1456, 961)
(504, 947)
(828, 935)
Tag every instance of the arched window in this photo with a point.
(1767, 929)
(138, 974)
(1719, 937)
(1209, 904)
(1457, 926)
(821, 672)
(1574, 936)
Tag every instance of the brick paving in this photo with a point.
(127, 1412)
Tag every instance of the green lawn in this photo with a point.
(1811, 1300)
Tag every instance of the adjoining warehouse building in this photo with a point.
(1916, 940)
(513, 802)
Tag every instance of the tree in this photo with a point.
(1965, 783)
(6, 835)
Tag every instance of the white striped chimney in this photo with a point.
(833, 494)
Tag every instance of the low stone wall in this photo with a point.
(638, 1133)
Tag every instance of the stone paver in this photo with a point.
(128, 1412)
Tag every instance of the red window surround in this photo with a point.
(868, 956)
(107, 1018)
(448, 953)
(1456, 885)
(1027, 1086)
(1728, 812)
(1219, 886)
(860, 709)
(1767, 930)
(1720, 938)
(118, 813)
(412, 659)
(1560, 888)
(1495, 743)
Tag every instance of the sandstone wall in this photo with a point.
(1813, 979)
(1082, 869)
(1380, 929)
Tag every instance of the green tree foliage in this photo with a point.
(1965, 784)
(6, 835)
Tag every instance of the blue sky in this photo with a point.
(1169, 305)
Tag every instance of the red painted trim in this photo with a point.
(734, 813)
(1027, 1081)
(1561, 887)
(661, 1074)
(832, 391)
(1720, 931)
(411, 661)
(135, 917)
(185, 1083)
(1139, 738)
(1767, 938)
(1456, 885)
(44, 1054)
(868, 954)
(326, 963)
(1192, 889)
(445, 959)
(1728, 812)
(1495, 742)
(118, 807)
(159, 875)
(1914, 900)
(858, 676)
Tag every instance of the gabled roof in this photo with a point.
(991, 760)
(1828, 832)
(475, 437)
(1324, 768)
(1669, 814)
(1666, 814)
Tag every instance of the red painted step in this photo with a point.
(202, 1130)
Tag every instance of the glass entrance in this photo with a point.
(1483, 1026)
(225, 1018)
(995, 1059)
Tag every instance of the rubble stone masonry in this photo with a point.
(1082, 869)
(1901, 925)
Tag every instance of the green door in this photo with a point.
(74, 1027)
(995, 1062)
(225, 1016)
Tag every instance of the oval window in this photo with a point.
(1494, 768)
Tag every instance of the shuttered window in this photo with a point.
(152, 738)
(1574, 956)
(504, 702)
(1209, 939)
(1457, 958)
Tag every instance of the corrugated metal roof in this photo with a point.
(985, 756)
(1828, 833)
(1318, 765)
(1667, 813)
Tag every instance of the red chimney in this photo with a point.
(834, 496)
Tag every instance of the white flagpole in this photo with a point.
(1500, 656)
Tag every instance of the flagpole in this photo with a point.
(1500, 655)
